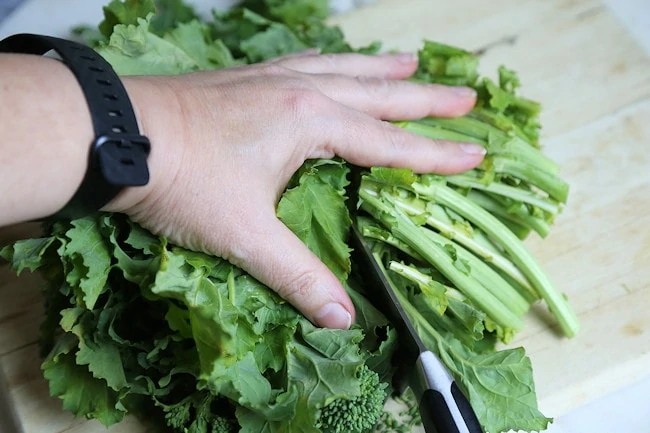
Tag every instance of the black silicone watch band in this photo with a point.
(118, 155)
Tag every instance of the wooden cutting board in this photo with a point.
(594, 83)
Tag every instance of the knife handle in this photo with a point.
(443, 407)
(436, 412)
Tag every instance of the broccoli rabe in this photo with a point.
(195, 414)
(359, 414)
(222, 425)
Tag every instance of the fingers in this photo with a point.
(374, 85)
(388, 66)
(277, 258)
(371, 84)
(365, 141)
(397, 99)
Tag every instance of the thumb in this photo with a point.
(277, 258)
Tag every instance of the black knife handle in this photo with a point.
(435, 414)
(437, 417)
(466, 410)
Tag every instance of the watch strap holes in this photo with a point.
(104, 82)
(110, 97)
(115, 113)
(87, 57)
(127, 161)
(118, 129)
(96, 69)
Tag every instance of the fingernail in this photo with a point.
(406, 57)
(334, 316)
(465, 92)
(473, 149)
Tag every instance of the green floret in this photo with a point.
(222, 424)
(358, 414)
(178, 417)
(194, 414)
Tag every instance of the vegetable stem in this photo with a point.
(513, 246)
(405, 229)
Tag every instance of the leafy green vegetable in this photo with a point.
(493, 380)
(136, 325)
(315, 211)
(138, 51)
(291, 12)
(193, 335)
(128, 13)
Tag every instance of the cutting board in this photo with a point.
(594, 83)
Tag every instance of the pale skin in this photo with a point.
(224, 146)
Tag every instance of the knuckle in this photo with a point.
(302, 101)
(375, 88)
(298, 286)
(395, 140)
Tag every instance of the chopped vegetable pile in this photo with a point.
(136, 325)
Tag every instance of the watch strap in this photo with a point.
(118, 154)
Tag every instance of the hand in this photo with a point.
(226, 143)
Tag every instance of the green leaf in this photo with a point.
(81, 393)
(169, 14)
(134, 50)
(471, 318)
(124, 12)
(194, 39)
(318, 378)
(295, 12)
(139, 238)
(26, 254)
(460, 264)
(444, 64)
(102, 357)
(508, 79)
(273, 42)
(91, 258)
(90, 36)
(317, 213)
(179, 320)
(242, 381)
(328, 39)
(500, 386)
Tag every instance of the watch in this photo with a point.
(118, 153)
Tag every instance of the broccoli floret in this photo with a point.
(178, 416)
(222, 424)
(194, 415)
(358, 414)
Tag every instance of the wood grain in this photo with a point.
(594, 82)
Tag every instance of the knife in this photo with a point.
(443, 407)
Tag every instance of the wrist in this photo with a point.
(156, 109)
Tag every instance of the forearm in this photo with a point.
(46, 133)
